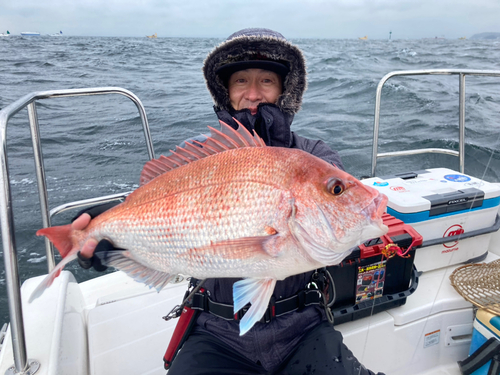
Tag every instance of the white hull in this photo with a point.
(120, 322)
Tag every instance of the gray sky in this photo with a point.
(407, 19)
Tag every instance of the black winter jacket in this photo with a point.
(274, 127)
(267, 343)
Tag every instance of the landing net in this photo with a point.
(479, 284)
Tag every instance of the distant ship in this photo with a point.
(57, 34)
(30, 33)
(6, 34)
(154, 36)
(364, 38)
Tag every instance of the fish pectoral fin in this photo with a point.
(243, 248)
(258, 292)
(122, 260)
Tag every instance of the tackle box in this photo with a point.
(447, 208)
(374, 277)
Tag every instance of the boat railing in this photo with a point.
(461, 73)
(21, 365)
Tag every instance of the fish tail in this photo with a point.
(60, 236)
(49, 279)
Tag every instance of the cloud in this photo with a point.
(219, 18)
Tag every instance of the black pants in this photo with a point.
(321, 351)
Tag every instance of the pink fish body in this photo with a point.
(232, 207)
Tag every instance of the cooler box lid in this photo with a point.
(489, 320)
(437, 191)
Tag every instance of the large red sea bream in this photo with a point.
(232, 207)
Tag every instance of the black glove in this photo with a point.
(272, 125)
(96, 210)
(95, 260)
(104, 245)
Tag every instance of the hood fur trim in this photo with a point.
(243, 47)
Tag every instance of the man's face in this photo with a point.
(249, 87)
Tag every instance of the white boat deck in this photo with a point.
(113, 325)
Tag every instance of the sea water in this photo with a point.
(94, 146)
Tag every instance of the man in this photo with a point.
(257, 77)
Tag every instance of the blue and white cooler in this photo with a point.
(455, 213)
(485, 345)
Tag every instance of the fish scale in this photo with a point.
(197, 226)
(232, 208)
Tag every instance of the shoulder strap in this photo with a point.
(484, 354)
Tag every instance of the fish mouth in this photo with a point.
(339, 248)
(373, 228)
(376, 208)
(374, 212)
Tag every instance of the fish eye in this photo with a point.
(335, 186)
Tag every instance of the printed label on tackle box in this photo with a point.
(370, 283)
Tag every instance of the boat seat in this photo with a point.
(126, 329)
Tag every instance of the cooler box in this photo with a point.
(447, 208)
(367, 282)
(486, 325)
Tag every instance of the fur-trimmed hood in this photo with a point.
(244, 45)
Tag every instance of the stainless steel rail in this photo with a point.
(461, 120)
(21, 365)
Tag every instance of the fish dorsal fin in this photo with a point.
(219, 141)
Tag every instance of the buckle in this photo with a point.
(241, 313)
(198, 301)
(269, 314)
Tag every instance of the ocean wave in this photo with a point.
(95, 146)
(24, 181)
(37, 259)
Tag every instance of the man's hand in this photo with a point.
(88, 247)
(87, 257)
